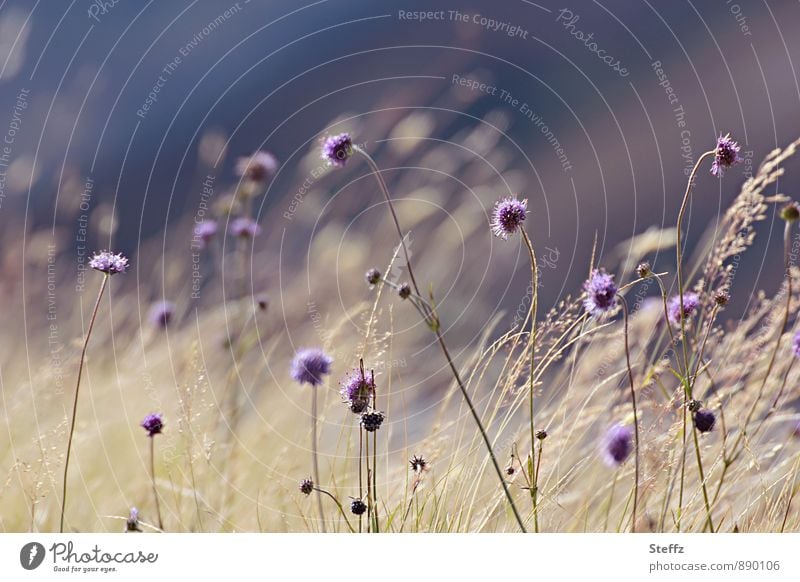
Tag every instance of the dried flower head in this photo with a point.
(161, 313)
(601, 293)
(245, 228)
(205, 231)
(310, 365)
(358, 507)
(373, 276)
(404, 291)
(418, 463)
(791, 212)
(691, 302)
(509, 214)
(306, 486)
(617, 445)
(510, 470)
(132, 523)
(644, 270)
(109, 263)
(704, 420)
(262, 300)
(153, 424)
(357, 389)
(726, 154)
(337, 149)
(258, 167)
(721, 297)
(694, 405)
(541, 434)
(371, 421)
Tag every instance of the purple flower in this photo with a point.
(306, 486)
(245, 228)
(508, 215)
(161, 313)
(257, 167)
(336, 149)
(726, 154)
(357, 389)
(690, 304)
(153, 424)
(204, 231)
(309, 365)
(617, 445)
(796, 344)
(704, 420)
(109, 263)
(601, 293)
(132, 523)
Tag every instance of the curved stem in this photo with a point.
(437, 330)
(77, 391)
(315, 453)
(153, 477)
(635, 414)
(339, 505)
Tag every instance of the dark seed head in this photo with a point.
(791, 212)
(404, 291)
(509, 470)
(373, 276)
(644, 270)
(358, 507)
(153, 424)
(541, 434)
(704, 420)
(694, 405)
(306, 486)
(371, 421)
(721, 297)
(418, 463)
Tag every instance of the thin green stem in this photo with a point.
(315, 454)
(77, 391)
(635, 413)
(339, 505)
(534, 306)
(153, 477)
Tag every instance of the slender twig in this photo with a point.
(75, 402)
(436, 326)
(635, 413)
(153, 476)
(315, 453)
(339, 505)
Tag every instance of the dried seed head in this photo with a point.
(541, 434)
(404, 291)
(510, 470)
(791, 212)
(306, 486)
(721, 297)
(644, 270)
(371, 421)
(418, 463)
(358, 507)
(373, 276)
(694, 405)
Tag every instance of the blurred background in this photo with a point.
(123, 123)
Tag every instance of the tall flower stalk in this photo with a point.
(336, 150)
(153, 424)
(109, 264)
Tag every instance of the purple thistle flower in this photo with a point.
(337, 149)
(109, 263)
(258, 167)
(508, 215)
(691, 302)
(309, 365)
(617, 445)
(161, 313)
(132, 523)
(357, 389)
(796, 344)
(601, 293)
(704, 420)
(204, 231)
(153, 424)
(726, 154)
(245, 228)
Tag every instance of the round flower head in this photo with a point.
(791, 212)
(337, 149)
(357, 389)
(153, 424)
(418, 463)
(310, 365)
(704, 420)
(404, 291)
(109, 263)
(508, 216)
(617, 445)
(245, 228)
(161, 313)
(690, 304)
(257, 167)
(726, 154)
(601, 293)
(373, 276)
(358, 507)
(132, 523)
(204, 231)
(371, 421)
(306, 486)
